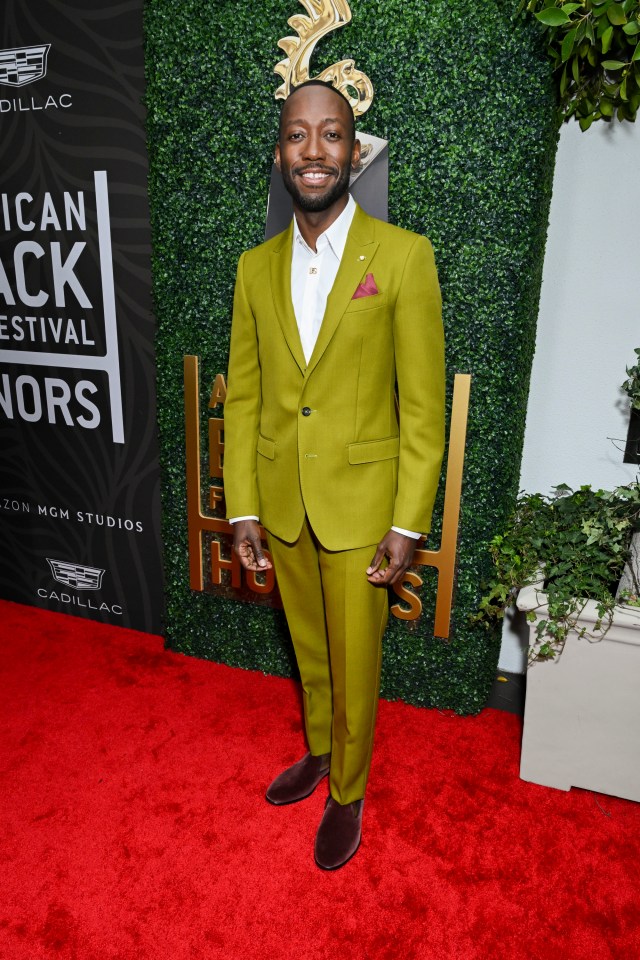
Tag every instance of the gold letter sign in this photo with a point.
(225, 574)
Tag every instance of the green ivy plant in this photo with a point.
(577, 543)
(596, 56)
(631, 385)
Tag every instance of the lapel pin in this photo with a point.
(362, 257)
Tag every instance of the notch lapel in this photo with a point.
(355, 264)
(280, 268)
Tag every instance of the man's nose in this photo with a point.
(314, 146)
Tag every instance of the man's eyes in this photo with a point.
(330, 134)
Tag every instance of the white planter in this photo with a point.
(582, 709)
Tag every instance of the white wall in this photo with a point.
(589, 322)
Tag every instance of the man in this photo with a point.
(328, 317)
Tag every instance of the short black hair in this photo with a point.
(327, 86)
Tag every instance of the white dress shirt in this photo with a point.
(313, 273)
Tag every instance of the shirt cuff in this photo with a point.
(238, 519)
(407, 533)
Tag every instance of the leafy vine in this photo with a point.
(596, 56)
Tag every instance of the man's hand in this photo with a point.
(399, 550)
(248, 547)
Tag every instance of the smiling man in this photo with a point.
(330, 318)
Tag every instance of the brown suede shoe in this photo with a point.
(339, 833)
(299, 781)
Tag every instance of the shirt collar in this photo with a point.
(335, 235)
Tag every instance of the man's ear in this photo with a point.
(276, 155)
(355, 153)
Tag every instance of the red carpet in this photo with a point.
(134, 825)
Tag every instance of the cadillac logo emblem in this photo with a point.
(76, 575)
(22, 65)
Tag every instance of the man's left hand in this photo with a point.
(399, 550)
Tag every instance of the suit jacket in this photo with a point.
(324, 437)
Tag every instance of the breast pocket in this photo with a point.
(376, 301)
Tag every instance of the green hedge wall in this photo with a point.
(464, 95)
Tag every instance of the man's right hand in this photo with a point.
(248, 546)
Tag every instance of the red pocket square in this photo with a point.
(367, 288)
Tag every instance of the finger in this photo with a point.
(245, 551)
(388, 575)
(397, 574)
(377, 560)
(261, 560)
(246, 556)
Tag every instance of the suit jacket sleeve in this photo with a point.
(419, 356)
(242, 407)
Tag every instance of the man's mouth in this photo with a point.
(314, 176)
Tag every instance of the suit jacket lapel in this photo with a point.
(281, 289)
(355, 264)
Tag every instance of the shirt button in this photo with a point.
(306, 411)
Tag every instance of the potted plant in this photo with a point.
(562, 557)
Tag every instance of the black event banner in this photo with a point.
(79, 484)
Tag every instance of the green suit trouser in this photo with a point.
(336, 619)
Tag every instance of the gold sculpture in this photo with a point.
(324, 17)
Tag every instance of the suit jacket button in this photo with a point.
(306, 411)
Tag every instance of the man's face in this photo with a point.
(316, 150)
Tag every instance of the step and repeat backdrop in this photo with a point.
(79, 479)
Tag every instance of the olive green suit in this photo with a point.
(317, 452)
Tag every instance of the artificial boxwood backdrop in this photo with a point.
(464, 94)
